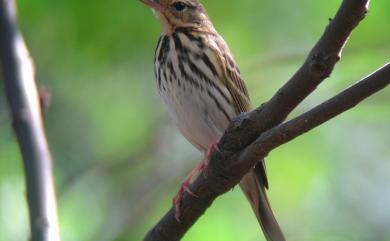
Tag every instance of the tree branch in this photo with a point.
(23, 100)
(340, 103)
(241, 162)
(244, 138)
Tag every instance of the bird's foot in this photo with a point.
(185, 187)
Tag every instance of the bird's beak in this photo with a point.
(154, 4)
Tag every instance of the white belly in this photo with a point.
(196, 115)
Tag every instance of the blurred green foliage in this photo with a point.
(119, 160)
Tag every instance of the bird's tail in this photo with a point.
(254, 188)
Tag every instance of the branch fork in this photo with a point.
(253, 135)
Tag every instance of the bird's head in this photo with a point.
(179, 13)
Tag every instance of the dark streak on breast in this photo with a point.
(164, 49)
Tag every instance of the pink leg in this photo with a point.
(207, 156)
(185, 186)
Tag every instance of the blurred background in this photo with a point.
(119, 160)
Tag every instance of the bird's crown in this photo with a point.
(179, 13)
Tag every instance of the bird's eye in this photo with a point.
(179, 6)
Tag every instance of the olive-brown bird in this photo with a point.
(200, 83)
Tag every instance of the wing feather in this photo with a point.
(232, 77)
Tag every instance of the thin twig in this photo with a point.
(23, 100)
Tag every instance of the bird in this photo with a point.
(200, 83)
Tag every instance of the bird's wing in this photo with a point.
(232, 78)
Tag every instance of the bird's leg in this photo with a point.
(185, 185)
(207, 156)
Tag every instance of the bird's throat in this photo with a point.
(166, 26)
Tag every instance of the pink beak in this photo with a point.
(155, 4)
